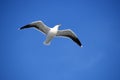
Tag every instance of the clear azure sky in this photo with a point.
(23, 56)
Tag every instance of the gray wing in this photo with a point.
(38, 25)
(69, 33)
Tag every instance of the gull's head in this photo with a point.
(58, 25)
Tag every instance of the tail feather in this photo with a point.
(46, 42)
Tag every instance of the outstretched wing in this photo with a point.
(38, 25)
(69, 33)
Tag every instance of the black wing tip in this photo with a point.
(76, 40)
(21, 28)
(26, 26)
(79, 43)
(81, 46)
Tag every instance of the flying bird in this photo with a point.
(52, 32)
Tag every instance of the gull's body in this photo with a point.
(52, 32)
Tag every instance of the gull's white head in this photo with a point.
(58, 25)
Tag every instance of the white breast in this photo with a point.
(53, 31)
(50, 35)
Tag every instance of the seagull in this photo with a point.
(52, 32)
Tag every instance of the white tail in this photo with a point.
(46, 43)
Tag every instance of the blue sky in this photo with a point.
(24, 57)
